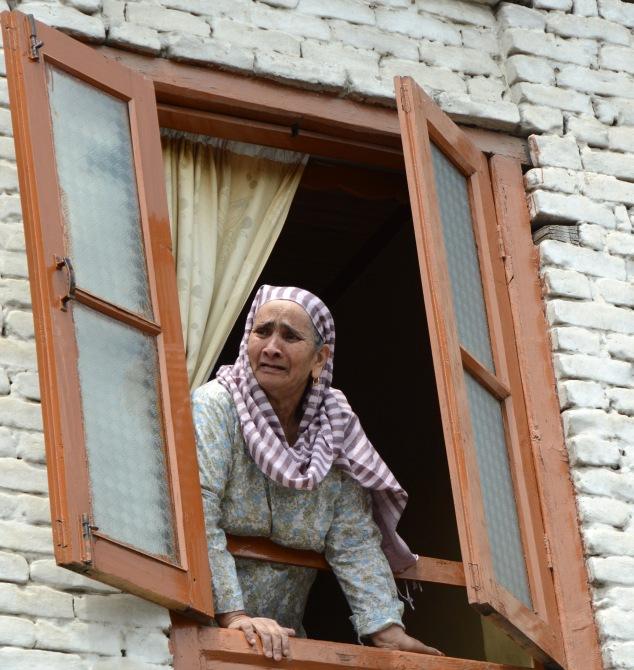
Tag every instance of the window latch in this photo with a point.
(86, 534)
(34, 42)
(61, 262)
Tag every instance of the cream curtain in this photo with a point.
(227, 203)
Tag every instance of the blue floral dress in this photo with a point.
(335, 519)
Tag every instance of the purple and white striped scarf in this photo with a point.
(329, 433)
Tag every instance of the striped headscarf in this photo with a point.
(329, 432)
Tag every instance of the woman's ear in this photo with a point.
(322, 358)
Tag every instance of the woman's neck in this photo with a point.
(287, 411)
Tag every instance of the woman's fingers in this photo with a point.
(249, 632)
(289, 631)
(418, 647)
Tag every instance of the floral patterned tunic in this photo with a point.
(334, 519)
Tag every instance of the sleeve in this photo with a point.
(353, 550)
(216, 426)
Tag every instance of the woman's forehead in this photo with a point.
(283, 310)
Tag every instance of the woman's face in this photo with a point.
(281, 349)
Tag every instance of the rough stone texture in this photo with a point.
(561, 70)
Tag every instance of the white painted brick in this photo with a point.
(13, 568)
(17, 475)
(566, 283)
(86, 6)
(621, 139)
(31, 447)
(459, 12)
(192, 49)
(136, 37)
(16, 632)
(592, 236)
(621, 244)
(576, 393)
(239, 10)
(546, 207)
(7, 145)
(535, 43)
(289, 4)
(585, 7)
(125, 664)
(147, 645)
(617, 58)
(616, 623)
(567, 25)
(430, 78)
(617, 11)
(335, 54)
(582, 260)
(554, 151)
(366, 85)
(78, 637)
(620, 346)
(33, 600)
(166, 20)
(113, 12)
(411, 23)
(609, 541)
(10, 209)
(551, 96)
(580, 340)
(604, 510)
(604, 110)
(589, 130)
(483, 39)
(608, 188)
(13, 264)
(619, 654)
(609, 162)
(563, 5)
(17, 413)
(17, 354)
(5, 384)
(540, 119)
(121, 609)
(622, 400)
(368, 37)
(18, 536)
(70, 20)
(486, 88)
(8, 442)
(498, 115)
(354, 11)
(304, 25)
(551, 179)
(615, 291)
(34, 659)
(623, 222)
(590, 315)
(242, 35)
(624, 111)
(616, 596)
(592, 450)
(468, 61)
(321, 76)
(581, 366)
(45, 571)
(611, 569)
(20, 324)
(604, 82)
(529, 68)
(605, 482)
(515, 16)
(26, 385)
(30, 509)
(8, 177)
(15, 293)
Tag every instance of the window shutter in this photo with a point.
(481, 401)
(124, 489)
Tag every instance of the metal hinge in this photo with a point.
(404, 100)
(508, 262)
(549, 556)
(475, 576)
(34, 42)
(86, 534)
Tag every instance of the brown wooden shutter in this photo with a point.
(124, 488)
(475, 360)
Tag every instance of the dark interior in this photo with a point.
(349, 239)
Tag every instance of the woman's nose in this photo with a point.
(272, 346)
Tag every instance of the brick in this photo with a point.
(12, 236)
(113, 12)
(368, 86)
(125, 664)
(617, 11)
(5, 384)
(563, 5)
(240, 34)
(70, 20)
(16, 632)
(13, 264)
(13, 568)
(604, 482)
(354, 11)
(31, 447)
(368, 37)
(20, 476)
(287, 4)
(620, 346)
(551, 96)
(593, 28)
(621, 139)
(515, 16)
(122, 609)
(592, 236)
(35, 600)
(546, 207)
(483, 39)
(529, 68)
(576, 393)
(497, 115)
(578, 340)
(609, 541)
(585, 7)
(304, 25)
(622, 400)
(460, 12)
(430, 78)
(26, 385)
(603, 82)
(17, 354)
(619, 596)
(566, 283)
(622, 217)
(8, 176)
(468, 61)
(593, 368)
(615, 623)
(624, 111)
(604, 510)
(166, 20)
(608, 188)
(192, 49)
(34, 659)
(590, 315)
(19, 324)
(611, 569)
(320, 76)
(10, 209)
(45, 571)
(7, 145)
(534, 43)
(31, 509)
(554, 151)
(15, 293)
(17, 413)
(590, 450)
(78, 637)
(486, 88)
(609, 162)
(589, 130)
(147, 645)
(135, 37)
(7, 442)
(619, 654)
(334, 54)
(413, 24)
(604, 110)
(582, 260)
(616, 292)
(20, 537)
(617, 58)
(540, 119)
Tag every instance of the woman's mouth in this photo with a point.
(271, 367)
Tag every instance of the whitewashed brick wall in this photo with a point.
(561, 71)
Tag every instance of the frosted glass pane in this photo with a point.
(500, 508)
(462, 258)
(123, 425)
(97, 183)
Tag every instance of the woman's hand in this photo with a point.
(394, 637)
(273, 636)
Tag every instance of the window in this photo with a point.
(148, 537)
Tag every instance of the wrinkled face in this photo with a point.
(281, 349)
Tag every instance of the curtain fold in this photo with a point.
(227, 203)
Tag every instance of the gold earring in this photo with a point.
(315, 381)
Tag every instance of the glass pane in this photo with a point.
(97, 183)
(500, 508)
(462, 258)
(123, 425)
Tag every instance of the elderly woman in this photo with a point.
(282, 456)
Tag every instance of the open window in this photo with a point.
(77, 113)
